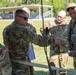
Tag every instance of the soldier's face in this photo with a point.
(60, 19)
(72, 13)
(23, 19)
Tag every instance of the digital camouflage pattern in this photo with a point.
(17, 38)
(72, 35)
(32, 28)
(58, 52)
(5, 64)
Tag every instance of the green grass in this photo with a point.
(39, 51)
(3, 24)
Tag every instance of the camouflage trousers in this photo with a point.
(61, 61)
(19, 69)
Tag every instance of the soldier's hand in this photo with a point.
(44, 31)
(58, 41)
(72, 53)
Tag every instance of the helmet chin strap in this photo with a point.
(45, 48)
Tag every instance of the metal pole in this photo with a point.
(45, 48)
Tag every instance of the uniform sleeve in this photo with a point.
(39, 40)
(22, 37)
(32, 28)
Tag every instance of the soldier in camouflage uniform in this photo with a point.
(59, 53)
(5, 64)
(71, 9)
(17, 38)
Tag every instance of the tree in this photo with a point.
(7, 3)
(58, 5)
(72, 1)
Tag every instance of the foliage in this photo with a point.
(7, 3)
(72, 1)
(57, 4)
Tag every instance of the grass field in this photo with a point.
(39, 51)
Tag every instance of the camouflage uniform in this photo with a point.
(17, 38)
(58, 53)
(72, 37)
(5, 64)
(32, 28)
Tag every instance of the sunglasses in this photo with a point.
(58, 16)
(25, 18)
(71, 8)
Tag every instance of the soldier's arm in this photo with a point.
(43, 40)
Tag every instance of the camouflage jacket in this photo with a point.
(17, 38)
(72, 35)
(58, 31)
(30, 27)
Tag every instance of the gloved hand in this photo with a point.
(58, 41)
(72, 53)
(46, 31)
